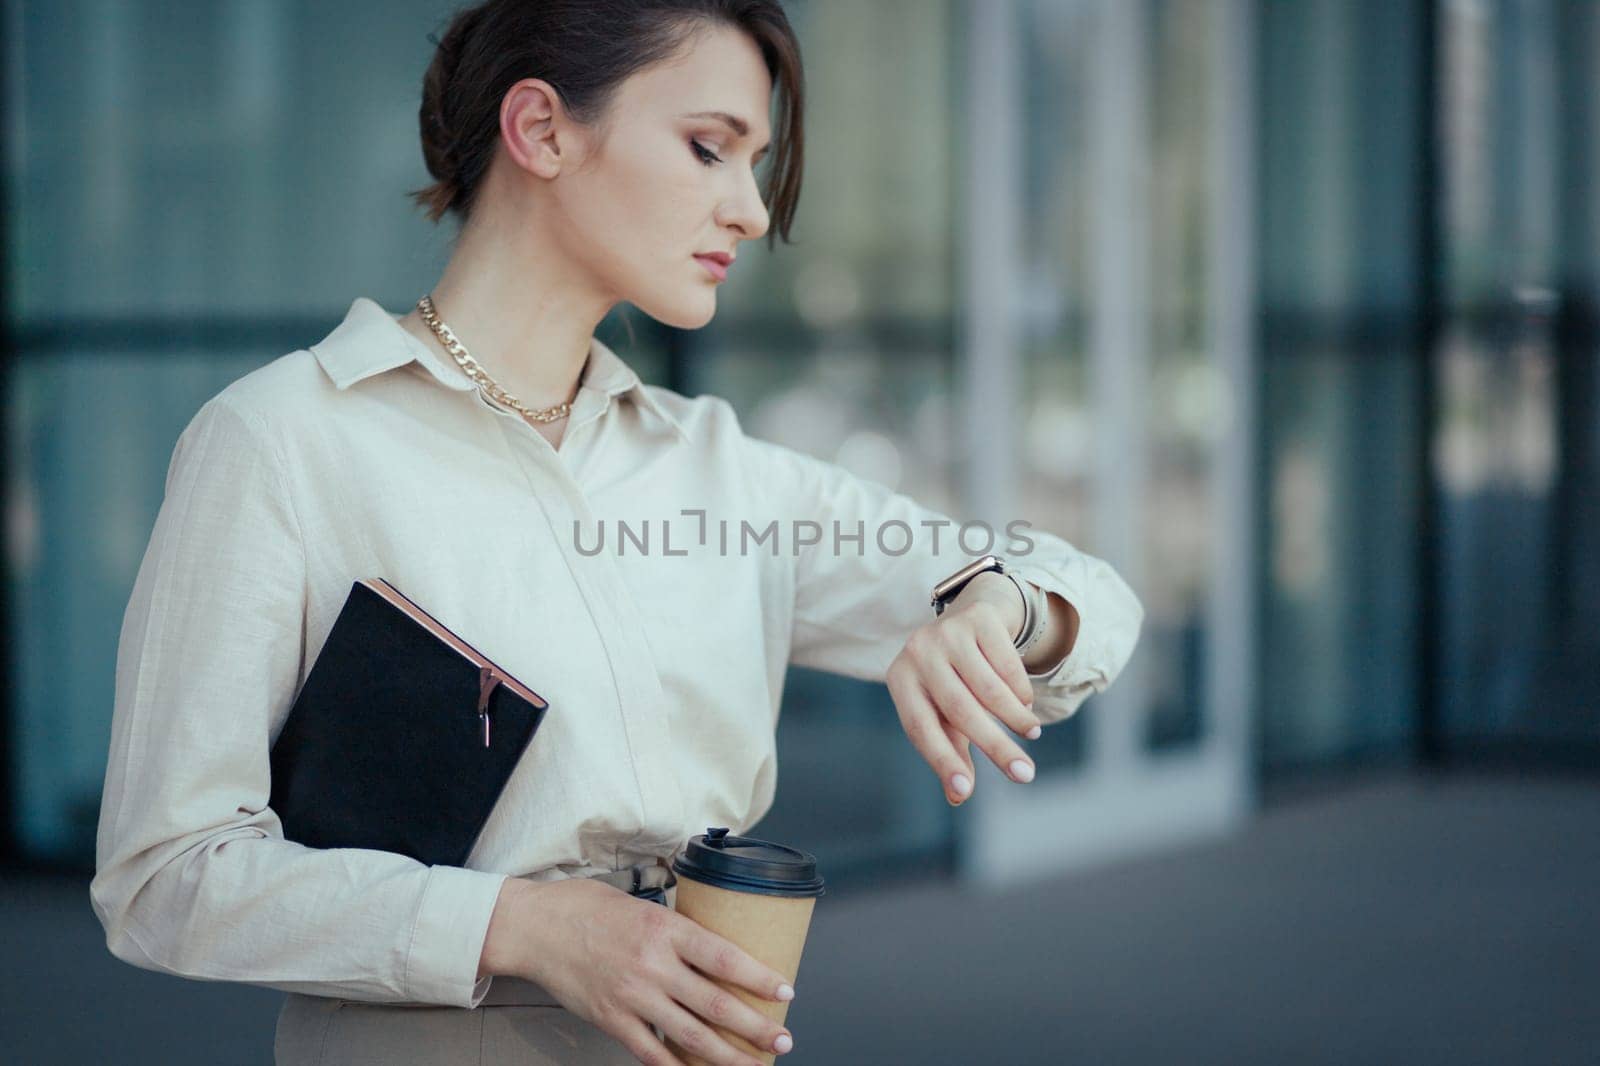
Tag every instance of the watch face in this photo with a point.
(952, 584)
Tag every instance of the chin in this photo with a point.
(685, 314)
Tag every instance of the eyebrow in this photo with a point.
(737, 124)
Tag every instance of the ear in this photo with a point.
(534, 127)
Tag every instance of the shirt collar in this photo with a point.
(370, 341)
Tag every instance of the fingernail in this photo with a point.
(1033, 734)
(960, 785)
(785, 993)
(783, 1045)
(1022, 770)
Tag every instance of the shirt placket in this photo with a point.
(641, 698)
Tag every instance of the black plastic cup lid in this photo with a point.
(745, 864)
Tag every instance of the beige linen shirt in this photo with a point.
(662, 653)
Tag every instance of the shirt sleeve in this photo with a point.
(193, 876)
(865, 585)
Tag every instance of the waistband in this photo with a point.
(651, 881)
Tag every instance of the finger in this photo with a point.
(920, 720)
(641, 1041)
(716, 956)
(957, 703)
(972, 662)
(963, 746)
(1002, 654)
(691, 1034)
(721, 1007)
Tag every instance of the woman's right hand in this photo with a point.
(625, 964)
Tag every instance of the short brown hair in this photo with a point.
(585, 49)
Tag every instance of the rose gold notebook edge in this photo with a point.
(420, 615)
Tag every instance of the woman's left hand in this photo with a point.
(958, 679)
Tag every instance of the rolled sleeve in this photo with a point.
(1110, 617)
(193, 876)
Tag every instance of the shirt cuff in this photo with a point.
(1061, 673)
(447, 939)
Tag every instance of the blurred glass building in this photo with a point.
(1287, 308)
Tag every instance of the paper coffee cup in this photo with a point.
(760, 896)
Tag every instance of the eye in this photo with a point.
(705, 155)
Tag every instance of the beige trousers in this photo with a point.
(517, 1022)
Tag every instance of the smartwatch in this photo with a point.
(1034, 609)
(951, 587)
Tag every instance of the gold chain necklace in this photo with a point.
(484, 382)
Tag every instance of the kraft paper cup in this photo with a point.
(757, 894)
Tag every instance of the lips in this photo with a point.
(716, 263)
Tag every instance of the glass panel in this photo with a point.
(1186, 410)
(1339, 162)
(90, 436)
(1517, 453)
(1498, 111)
(1338, 631)
(237, 157)
(1057, 443)
(1565, 704)
(874, 231)
(1495, 464)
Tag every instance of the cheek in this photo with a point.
(666, 223)
(680, 195)
(642, 218)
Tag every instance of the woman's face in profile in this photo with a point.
(665, 186)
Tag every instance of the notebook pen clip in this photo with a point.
(487, 680)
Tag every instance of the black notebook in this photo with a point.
(402, 737)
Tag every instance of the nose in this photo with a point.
(745, 209)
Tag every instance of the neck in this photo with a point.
(526, 318)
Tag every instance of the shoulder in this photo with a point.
(720, 438)
(715, 426)
(254, 419)
(274, 394)
(274, 404)
(705, 418)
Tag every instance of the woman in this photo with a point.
(480, 452)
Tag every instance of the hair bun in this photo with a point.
(435, 120)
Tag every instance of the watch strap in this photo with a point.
(1036, 616)
(1029, 623)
